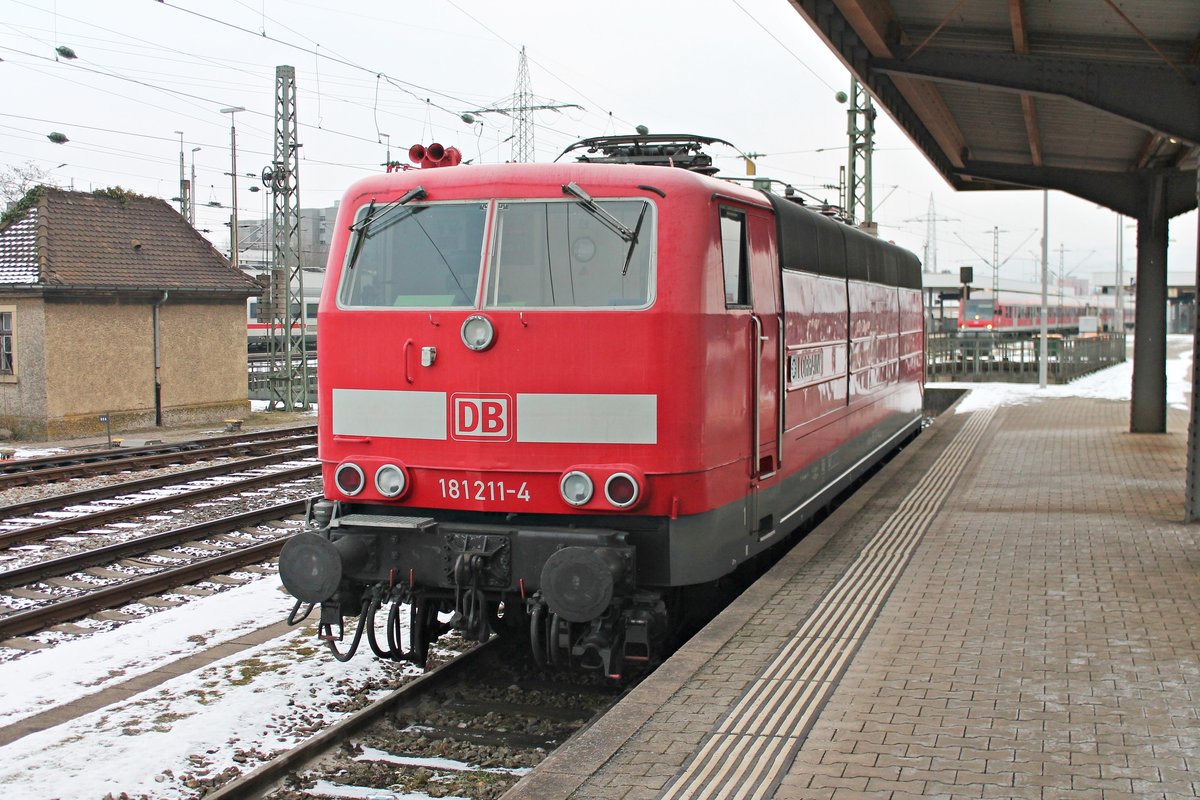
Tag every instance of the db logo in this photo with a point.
(482, 417)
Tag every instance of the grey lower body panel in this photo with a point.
(703, 547)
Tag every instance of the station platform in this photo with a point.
(1010, 608)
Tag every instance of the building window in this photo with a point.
(7, 365)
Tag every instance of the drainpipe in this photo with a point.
(158, 363)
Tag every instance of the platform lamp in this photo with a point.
(233, 223)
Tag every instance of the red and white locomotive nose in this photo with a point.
(505, 435)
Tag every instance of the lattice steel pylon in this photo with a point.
(931, 220)
(860, 126)
(289, 329)
(522, 150)
(996, 267)
(521, 106)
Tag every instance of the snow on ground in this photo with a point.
(324, 788)
(264, 405)
(443, 764)
(1114, 383)
(47, 678)
(36, 452)
(195, 726)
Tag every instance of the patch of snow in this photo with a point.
(263, 699)
(1113, 383)
(323, 788)
(444, 764)
(45, 679)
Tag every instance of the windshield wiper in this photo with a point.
(633, 241)
(359, 229)
(608, 220)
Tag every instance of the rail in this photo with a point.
(253, 783)
(1014, 358)
(61, 525)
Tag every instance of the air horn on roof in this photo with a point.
(435, 155)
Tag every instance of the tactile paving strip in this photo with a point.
(752, 747)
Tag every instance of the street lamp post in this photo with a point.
(233, 223)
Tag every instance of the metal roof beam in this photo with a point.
(859, 29)
(1016, 16)
(1150, 96)
(1123, 192)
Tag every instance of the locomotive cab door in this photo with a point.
(752, 280)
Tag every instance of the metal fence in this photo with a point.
(260, 376)
(953, 357)
(948, 357)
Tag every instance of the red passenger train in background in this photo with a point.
(561, 398)
(1021, 312)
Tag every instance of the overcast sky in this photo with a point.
(748, 71)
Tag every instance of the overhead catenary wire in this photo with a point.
(778, 41)
(401, 85)
(180, 93)
(208, 100)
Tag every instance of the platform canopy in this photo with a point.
(1090, 97)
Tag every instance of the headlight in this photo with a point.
(576, 488)
(621, 490)
(349, 479)
(390, 481)
(477, 332)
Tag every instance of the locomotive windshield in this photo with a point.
(978, 309)
(560, 255)
(417, 256)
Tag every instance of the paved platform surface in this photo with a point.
(1010, 609)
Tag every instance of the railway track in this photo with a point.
(23, 529)
(25, 471)
(471, 726)
(143, 567)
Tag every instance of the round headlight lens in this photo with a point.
(576, 488)
(349, 479)
(477, 332)
(389, 480)
(621, 490)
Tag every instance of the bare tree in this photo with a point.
(16, 180)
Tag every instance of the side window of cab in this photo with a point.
(733, 258)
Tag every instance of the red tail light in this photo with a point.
(349, 479)
(621, 490)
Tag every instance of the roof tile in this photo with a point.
(18, 251)
(124, 242)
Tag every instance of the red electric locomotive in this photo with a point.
(556, 396)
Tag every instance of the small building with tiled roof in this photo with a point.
(112, 304)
